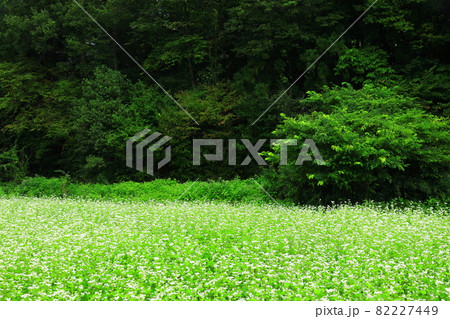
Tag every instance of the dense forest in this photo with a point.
(376, 104)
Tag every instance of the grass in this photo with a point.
(69, 249)
(160, 189)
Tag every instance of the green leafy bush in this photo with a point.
(41, 186)
(375, 144)
(368, 64)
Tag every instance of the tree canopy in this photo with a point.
(70, 97)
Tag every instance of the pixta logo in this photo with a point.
(146, 143)
(309, 146)
(308, 153)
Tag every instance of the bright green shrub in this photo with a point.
(41, 186)
(375, 144)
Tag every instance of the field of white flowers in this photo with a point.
(64, 249)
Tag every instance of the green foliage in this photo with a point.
(364, 65)
(36, 133)
(213, 107)
(225, 61)
(110, 111)
(159, 189)
(40, 187)
(375, 144)
(70, 98)
(12, 167)
(432, 86)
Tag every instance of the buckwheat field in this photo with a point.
(67, 249)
